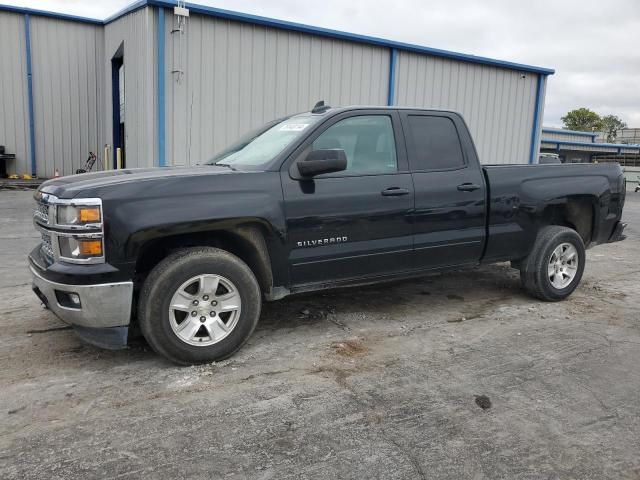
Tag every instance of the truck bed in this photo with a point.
(519, 197)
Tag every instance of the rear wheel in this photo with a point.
(199, 305)
(554, 268)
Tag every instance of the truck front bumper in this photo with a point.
(100, 314)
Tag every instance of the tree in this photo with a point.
(611, 123)
(582, 120)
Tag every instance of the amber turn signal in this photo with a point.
(89, 214)
(90, 248)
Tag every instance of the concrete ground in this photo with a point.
(377, 382)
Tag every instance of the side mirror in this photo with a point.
(318, 162)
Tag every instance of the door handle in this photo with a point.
(394, 192)
(468, 187)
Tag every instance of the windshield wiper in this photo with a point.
(227, 165)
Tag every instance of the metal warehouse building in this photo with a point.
(581, 147)
(172, 90)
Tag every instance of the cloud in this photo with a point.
(592, 45)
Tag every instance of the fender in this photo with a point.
(196, 205)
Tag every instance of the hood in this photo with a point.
(73, 185)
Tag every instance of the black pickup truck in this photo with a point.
(332, 197)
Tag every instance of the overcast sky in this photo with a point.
(594, 46)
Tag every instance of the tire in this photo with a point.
(220, 333)
(543, 275)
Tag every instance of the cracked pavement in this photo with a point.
(372, 382)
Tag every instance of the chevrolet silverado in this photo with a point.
(332, 197)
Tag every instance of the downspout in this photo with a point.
(533, 154)
(393, 60)
(32, 130)
(161, 89)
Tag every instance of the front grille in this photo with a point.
(41, 213)
(47, 246)
(41, 217)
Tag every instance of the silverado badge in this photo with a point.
(322, 241)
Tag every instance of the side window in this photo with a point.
(367, 140)
(435, 144)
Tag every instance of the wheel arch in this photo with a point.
(578, 212)
(245, 239)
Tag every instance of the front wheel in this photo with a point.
(199, 305)
(554, 268)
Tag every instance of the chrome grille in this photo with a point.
(41, 213)
(47, 246)
(41, 219)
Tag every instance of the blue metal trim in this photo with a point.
(298, 27)
(32, 127)
(44, 13)
(161, 87)
(568, 132)
(533, 154)
(115, 110)
(393, 59)
(125, 11)
(592, 145)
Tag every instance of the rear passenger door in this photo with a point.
(450, 209)
(354, 223)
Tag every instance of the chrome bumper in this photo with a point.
(104, 305)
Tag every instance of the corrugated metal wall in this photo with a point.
(497, 104)
(237, 76)
(66, 67)
(566, 136)
(72, 96)
(628, 135)
(14, 113)
(137, 31)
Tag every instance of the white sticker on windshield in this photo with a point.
(293, 127)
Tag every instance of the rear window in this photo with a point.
(434, 143)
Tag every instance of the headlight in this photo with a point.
(72, 230)
(80, 248)
(78, 215)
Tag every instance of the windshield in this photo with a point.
(263, 144)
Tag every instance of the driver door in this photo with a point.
(355, 223)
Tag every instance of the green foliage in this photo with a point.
(582, 120)
(611, 123)
(585, 120)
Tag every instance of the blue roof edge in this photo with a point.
(292, 26)
(568, 132)
(45, 13)
(126, 10)
(589, 144)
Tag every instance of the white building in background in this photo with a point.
(172, 90)
(583, 147)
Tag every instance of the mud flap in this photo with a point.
(618, 234)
